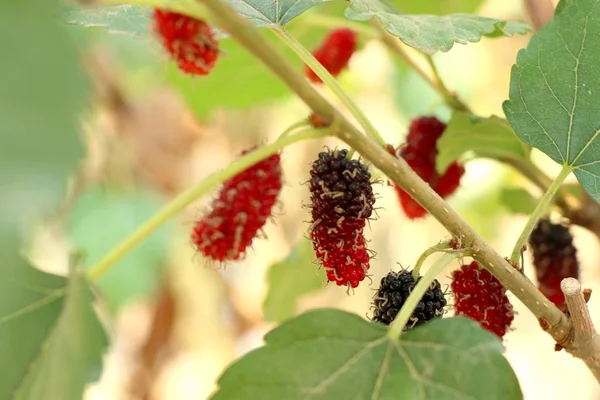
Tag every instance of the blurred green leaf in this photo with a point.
(42, 91)
(431, 33)
(331, 354)
(121, 19)
(289, 279)
(100, 219)
(487, 137)
(555, 91)
(575, 189)
(50, 334)
(518, 200)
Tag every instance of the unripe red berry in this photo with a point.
(334, 53)
(189, 41)
(241, 209)
(420, 153)
(480, 296)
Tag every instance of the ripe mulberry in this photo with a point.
(342, 200)
(392, 294)
(190, 41)
(241, 209)
(420, 153)
(554, 258)
(334, 53)
(481, 297)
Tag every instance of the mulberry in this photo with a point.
(392, 294)
(420, 153)
(241, 209)
(554, 258)
(480, 296)
(189, 41)
(334, 53)
(341, 202)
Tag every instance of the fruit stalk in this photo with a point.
(415, 296)
(331, 82)
(187, 197)
(559, 327)
(540, 209)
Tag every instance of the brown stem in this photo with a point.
(586, 342)
(539, 11)
(396, 169)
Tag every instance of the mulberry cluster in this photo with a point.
(341, 202)
(241, 209)
(480, 296)
(392, 294)
(189, 41)
(420, 153)
(334, 53)
(554, 258)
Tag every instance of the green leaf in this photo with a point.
(431, 33)
(289, 279)
(100, 219)
(39, 106)
(518, 200)
(54, 343)
(555, 91)
(121, 19)
(272, 13)
(331, 354)
(490, 137)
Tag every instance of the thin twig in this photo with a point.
(586, 342)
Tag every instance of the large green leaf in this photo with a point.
(54, 343)
(272, 13)
(555, 91)
(487, 137)
(42, 89)
(289, 279)
(100, 219)
(331, 354)
(432, 33)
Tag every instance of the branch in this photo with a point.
(586, 342)
(558, 325)
(539, 11)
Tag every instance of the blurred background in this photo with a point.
(175, 319)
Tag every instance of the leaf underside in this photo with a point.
(432, 33)
(330, 354)
(555, 91)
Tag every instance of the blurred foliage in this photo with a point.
(289, 279)
(518, 200)
(100, 219)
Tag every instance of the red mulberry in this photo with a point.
(420, 153)
(342, 200)
(481, 297)
(554, 258)
(394, 291)
(334, 53)
(241, 209)
(189, 41)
